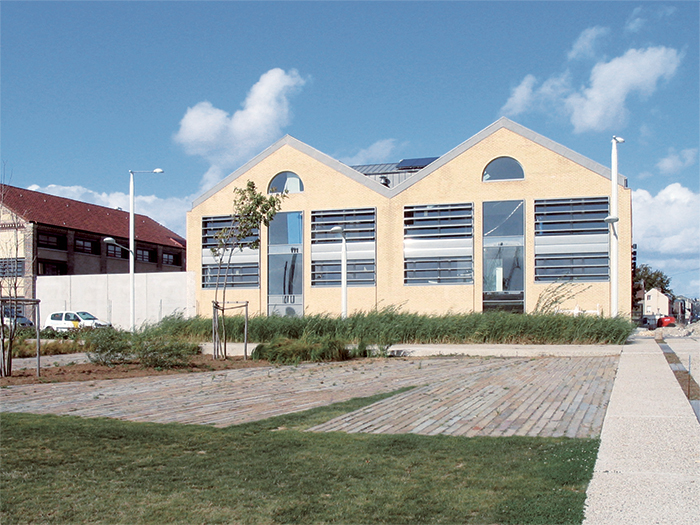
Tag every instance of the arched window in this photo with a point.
(503, 168)
(286, 180)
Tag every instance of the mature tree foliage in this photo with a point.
(646, 278)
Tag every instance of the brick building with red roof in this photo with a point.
(42, 234)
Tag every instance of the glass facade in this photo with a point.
(504, 265)
(285, 269)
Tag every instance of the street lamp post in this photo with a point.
(132, 246)
(612, 219)
(343, 271)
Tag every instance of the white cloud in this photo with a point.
(378, 152)
(635, 22)
(170, 212)
(668, 223)
(584, 47)
(601, 106)
(640, 16)
(226, 140)
(521, 98)
(675, 162)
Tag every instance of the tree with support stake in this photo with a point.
(251, 210)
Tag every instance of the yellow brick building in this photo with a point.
(493, 224)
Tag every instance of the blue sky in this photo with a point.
(91, 90)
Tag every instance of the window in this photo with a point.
(504, 266)
(582, 266)
(242, 275)
(571, 240)
(85, 246)
(328, 273)
(116, 251)
(237, 266)
(359, 226)
(52, 240)
(286, 181)
(211, 226)
(503, 168)
(52, 268)
(571, 216)
(145, 255)
(438, 270)
(442, 221)
(11, 268)
(172, 259)
(438, 244)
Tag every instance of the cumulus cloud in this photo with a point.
(635, 22)
(675, 162)
(378, 152)
(521, 98)
(170, 212)
(225, 140)
(640, 16)
(668, 222)
(666, 229)
(602, 105)
(584, 47)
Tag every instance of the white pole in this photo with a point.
(614, 240)
(132, 254)
(344, 276)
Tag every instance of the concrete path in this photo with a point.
(648, 466)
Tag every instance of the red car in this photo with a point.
(666, 320)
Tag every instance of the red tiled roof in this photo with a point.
(50, 210)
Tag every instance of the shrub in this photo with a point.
(109, 347)
(285, 351)
(163, 351)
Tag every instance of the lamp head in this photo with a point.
(337, 229)
(109, 240)
(619, 140)
(158, 170)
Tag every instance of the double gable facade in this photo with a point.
(496, 223)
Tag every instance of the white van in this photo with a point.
(70, 320)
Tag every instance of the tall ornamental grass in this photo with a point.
(390, 326)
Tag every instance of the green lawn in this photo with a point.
(72, 470)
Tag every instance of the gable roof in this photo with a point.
(49, 210)
(370, 182)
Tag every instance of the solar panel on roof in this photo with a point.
(412, 164)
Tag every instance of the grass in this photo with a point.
(73, 470)
(391, 326)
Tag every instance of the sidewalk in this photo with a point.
(648, 466)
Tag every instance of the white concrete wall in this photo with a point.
(107, 296)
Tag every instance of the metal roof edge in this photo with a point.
(521, 130)
(315, 154)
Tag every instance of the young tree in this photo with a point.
(251, 210)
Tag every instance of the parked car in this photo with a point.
(71, 320)
(666, 320)
(18, 320)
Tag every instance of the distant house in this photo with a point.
(41, 234)
(656, 303)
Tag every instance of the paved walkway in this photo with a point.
(545, 396)
(648, 467)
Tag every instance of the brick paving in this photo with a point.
(460, 396)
